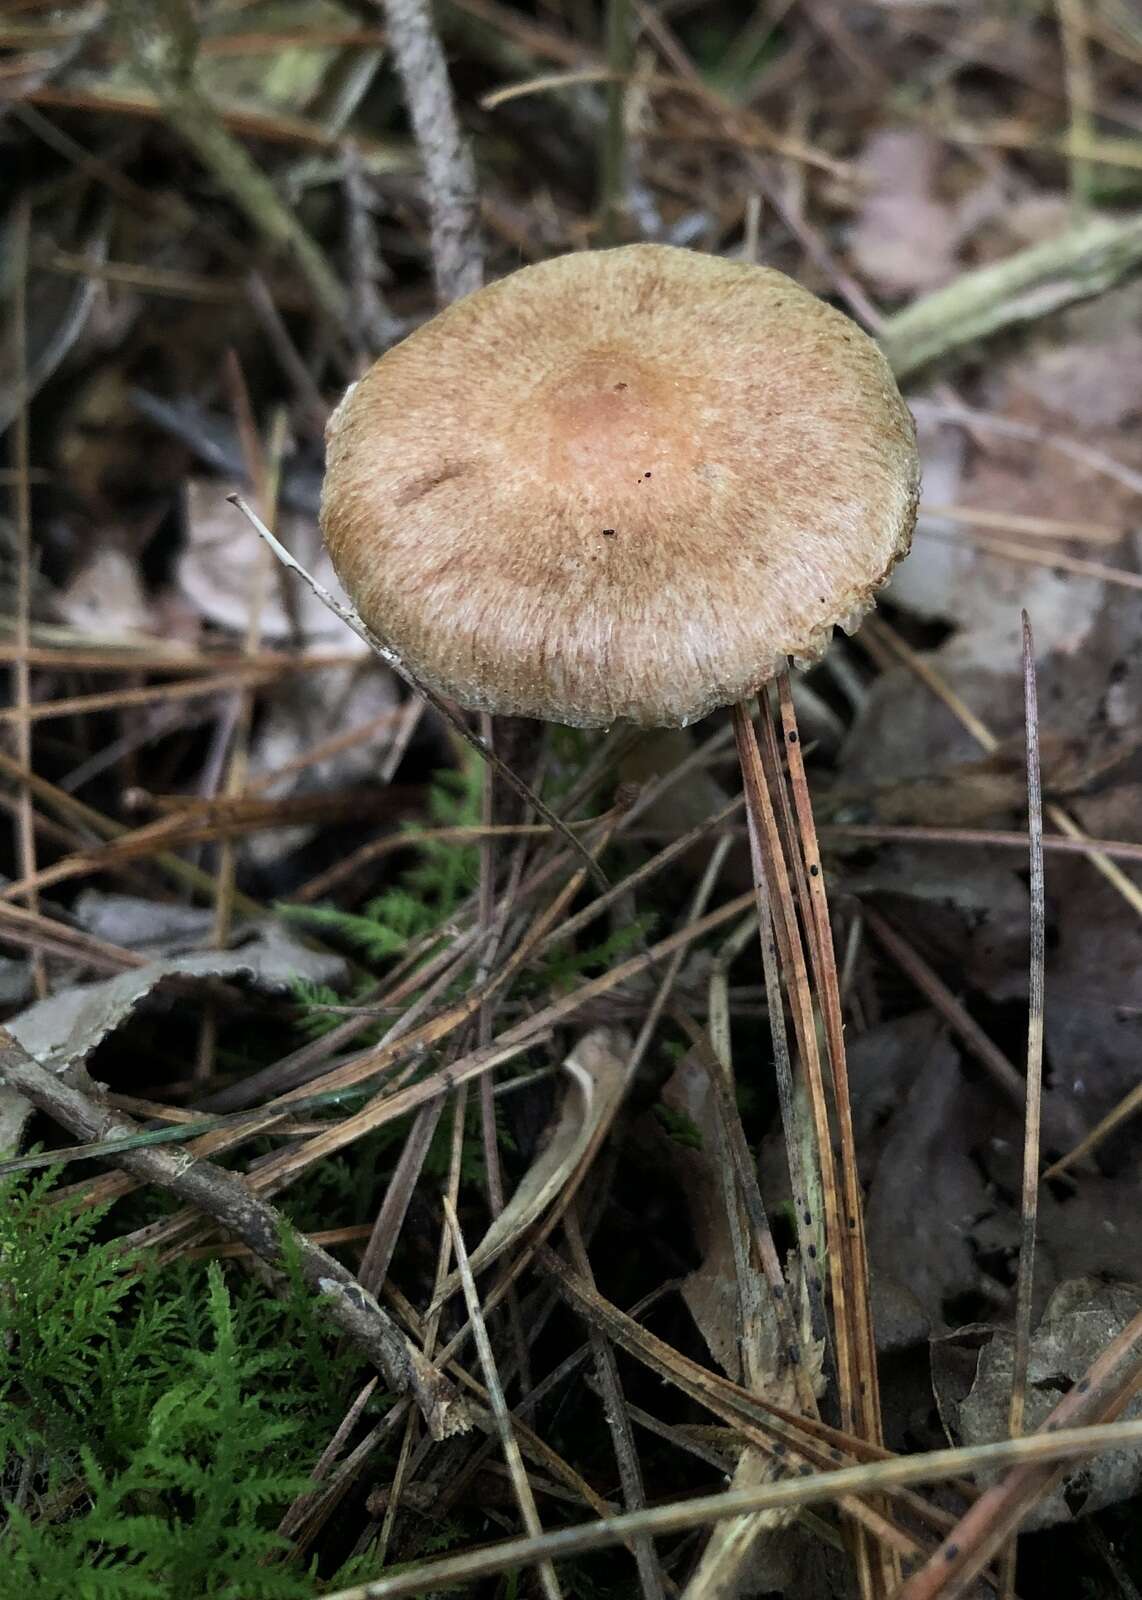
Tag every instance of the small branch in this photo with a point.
(612, 158)
(1082, 262)
(934, 1466)
(225, 1198)
(449, 171)
(1030, 1209)
(161, 38)
(21, 675)
(520, 1481)
(440, 706)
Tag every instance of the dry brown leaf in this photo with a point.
(925, 1198)
(905, 239)
(68, 1027)
(595, 1074)
(712, 1295)
(224, 561)
(1081, 1319)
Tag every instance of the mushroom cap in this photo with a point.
(621, 484)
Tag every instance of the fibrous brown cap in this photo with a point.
(621, 484)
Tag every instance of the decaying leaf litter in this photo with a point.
(215, 219)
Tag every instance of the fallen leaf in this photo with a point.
(904, 239)
(951, 578)
(304, 710)
(222, 565)
(64, 1030)
(149, 927)
(595, 1074)
(1081, 1319)
(925, 1198)
(106, 596)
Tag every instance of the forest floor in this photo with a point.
(264, 904)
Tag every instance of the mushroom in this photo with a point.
(631, 484)
(621, 484)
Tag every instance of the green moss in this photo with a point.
(154, 1423)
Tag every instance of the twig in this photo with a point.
(499, 1405)
(928, 1467)
(162, 40)
(439, 705)
(20, 671)
(1030, 1210)
(229, 1203)
(1030, 284)
(450, 174)
(613, 155)
(614, 1406)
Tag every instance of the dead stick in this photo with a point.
(224, 1198)
(449, 171)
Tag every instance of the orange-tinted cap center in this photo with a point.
(613, 420)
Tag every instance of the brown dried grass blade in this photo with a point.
(815, 915)
(821, 1489)
(23, 519)
(791, 1442)
(776, 930)
(500, 1412)
(762, 776)
(1030, 1207)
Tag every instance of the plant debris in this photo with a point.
(302, 999)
